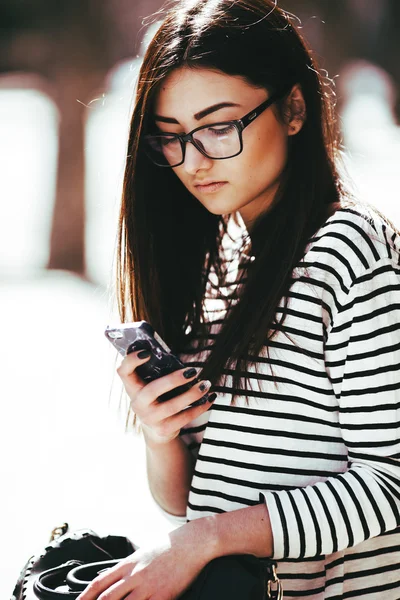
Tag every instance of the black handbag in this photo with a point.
(72, 560)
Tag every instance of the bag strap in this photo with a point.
(274, 589)
(75, 575)
(53, 577)
(80, 577)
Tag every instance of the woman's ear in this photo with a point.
(295, 110)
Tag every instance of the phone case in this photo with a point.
(140, 335)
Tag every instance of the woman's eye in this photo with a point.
(221, 130)
(167, 141)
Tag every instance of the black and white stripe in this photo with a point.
(319, 442)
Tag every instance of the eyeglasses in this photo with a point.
(217, 140)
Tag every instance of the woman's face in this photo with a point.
(250, 179)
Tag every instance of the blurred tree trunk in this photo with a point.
(67, 245)
(82, 62)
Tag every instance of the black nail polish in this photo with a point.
(144, 353)
(212, 397)
(204, 386)
(191, 372)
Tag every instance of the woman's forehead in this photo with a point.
(195, 87)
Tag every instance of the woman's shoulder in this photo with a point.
(357, 235)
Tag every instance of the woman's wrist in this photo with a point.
(205, 539)
(244, 531)
(153, 441)
(169, 473)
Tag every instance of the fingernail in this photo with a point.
(205, 385)
(144, 354)
(212, 397)
(189, 373)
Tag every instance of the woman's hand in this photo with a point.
(159, 572)
(161, 421)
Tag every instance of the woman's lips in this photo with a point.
(211, 187)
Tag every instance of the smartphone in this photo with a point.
(140, 335)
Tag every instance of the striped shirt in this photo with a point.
(319, 440)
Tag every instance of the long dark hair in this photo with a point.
(168, 242)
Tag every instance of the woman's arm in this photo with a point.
(169, 464)
(243, 531)
(362, 358)
(169, 473)
(180, 556)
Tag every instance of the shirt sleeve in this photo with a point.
(362, 359)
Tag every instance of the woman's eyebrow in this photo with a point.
(200, 115)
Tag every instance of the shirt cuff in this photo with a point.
(174, 519)
(279, 529)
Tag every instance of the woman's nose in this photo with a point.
(195, 160)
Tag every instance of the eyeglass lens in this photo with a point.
(219, 141)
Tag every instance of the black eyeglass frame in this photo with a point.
(239, 124)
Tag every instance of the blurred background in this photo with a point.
(67, 78)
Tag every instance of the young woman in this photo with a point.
(239, 244)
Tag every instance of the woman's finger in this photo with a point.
(127, 372)
(118, 591)
(170, 426)
(174, 406)
(102, 583)
(189, 414)
(164, 384)
(131, 361)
